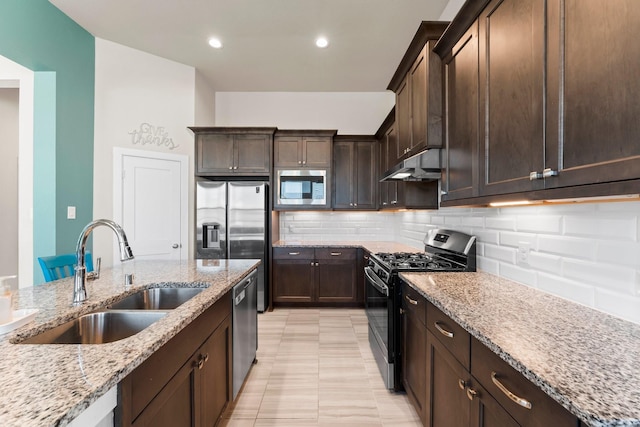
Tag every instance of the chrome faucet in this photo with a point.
(79, 289)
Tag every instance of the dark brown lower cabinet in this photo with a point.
(316, 276)
(453, 380)
(414, 333)
(188, 381)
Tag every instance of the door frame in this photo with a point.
(118, 155)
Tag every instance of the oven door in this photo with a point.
(379, 309)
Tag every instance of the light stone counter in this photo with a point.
(46, 385)
(373, 247)
(586, 360)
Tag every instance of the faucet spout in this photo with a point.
(79, 288)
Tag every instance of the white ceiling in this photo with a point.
(268, 44)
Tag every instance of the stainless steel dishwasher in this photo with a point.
(245, 329)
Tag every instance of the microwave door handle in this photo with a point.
(375, 281)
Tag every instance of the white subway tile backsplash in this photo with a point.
(585, 252)
(500, 223)
(565, 288)
(519, 274)
(539, 223)
(500, 253)
(603, 276)
(567, 246)
(620, 227)
(620, 305)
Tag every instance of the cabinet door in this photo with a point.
(414, 351)
(293, 280)
(215, 154)
(252, 154)
(343, 187)
(316, 152)
(175, 404)
(461, 158)
(214, 380)
(366, 182)
(593, 92)
(336, 275)
(511, 46)
(418, 85)
(448, 404)
(403, 118)
(287, 151)
(486, 412)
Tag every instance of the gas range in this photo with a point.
(444, 250)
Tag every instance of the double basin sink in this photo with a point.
(119, 320)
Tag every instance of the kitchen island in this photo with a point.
(586, 360)
(51, 384)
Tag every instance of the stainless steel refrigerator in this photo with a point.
(231, 222)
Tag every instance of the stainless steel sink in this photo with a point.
(98, 328)
(156, 299)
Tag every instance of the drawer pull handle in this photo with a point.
(411, 301)
(519, 400)
(294, 253)
(443, 331)
(336, 253)
(462, 384)
(471, 393)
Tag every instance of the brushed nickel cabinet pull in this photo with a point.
(462, 384)
(336, 253)
(471, 393)
(411, 301)
(517, 399)
(534, 175)
(294, 253)
(548, 173)
(443, 331)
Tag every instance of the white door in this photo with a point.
(152, 207)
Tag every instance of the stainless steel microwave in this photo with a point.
(301, 187)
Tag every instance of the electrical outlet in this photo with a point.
(71, 212)
(523, 253)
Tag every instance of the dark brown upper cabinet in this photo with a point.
(417, 84)
(355, 172)
(233, 151)
(400, 194)
(307, 149)
(554, 88)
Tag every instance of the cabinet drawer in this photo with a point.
(336, 253)
(452, 335)
(293, 253)
(414, 303)
(502, 381)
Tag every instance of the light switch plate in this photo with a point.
(71, 212)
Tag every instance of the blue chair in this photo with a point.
(60, 266)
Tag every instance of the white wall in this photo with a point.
(9, 178)
(134, 87)
(451, 9)
(17, 76)
(359, 113)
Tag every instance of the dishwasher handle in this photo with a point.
(240, 290)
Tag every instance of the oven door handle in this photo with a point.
(375, 281)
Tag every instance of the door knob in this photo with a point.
(175, 246)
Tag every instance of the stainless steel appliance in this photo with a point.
(445, 250)
(245, 329)
(301, 187)
(231, 222)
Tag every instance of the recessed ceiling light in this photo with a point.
(215, 43)
(322, 42)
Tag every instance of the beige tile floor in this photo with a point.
(315, 368)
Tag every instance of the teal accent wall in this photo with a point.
(38, 36)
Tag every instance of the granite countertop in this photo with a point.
(586, 360)
(373, 246)
(43, 385)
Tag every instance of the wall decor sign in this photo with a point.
(148, 134)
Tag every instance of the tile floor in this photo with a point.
(315, 368)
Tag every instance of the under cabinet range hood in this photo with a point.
(423, 166)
